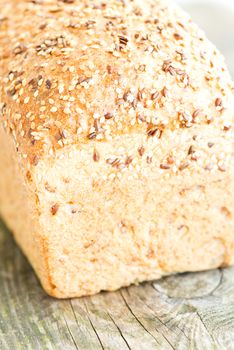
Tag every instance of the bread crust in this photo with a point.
(84, 72)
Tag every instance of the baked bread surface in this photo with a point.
(116, 142)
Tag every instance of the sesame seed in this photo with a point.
(178, 36)
(164, 92)
(196, 113)
(183, 166)
(155, 95)
(191, 150)
(109, 115)
(152, 131)
(40, 82)
(61, 89)
(72, 69)
(67, 110)
(21, 91)
(109, 69)
(141, 151)
(96, 156)
(54, 209)
(218, 103)
(48, 84)
(92, 136)
(35, 160)
(221, 167)
(227, 126)
(210, 144)
(149, 160)
(128, 160)
(165, 166)
(54, 109)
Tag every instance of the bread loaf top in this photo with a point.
(79, 71)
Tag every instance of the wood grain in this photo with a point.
(188, 311)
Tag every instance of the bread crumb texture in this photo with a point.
(90, 71)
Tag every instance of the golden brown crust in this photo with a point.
(87, 71)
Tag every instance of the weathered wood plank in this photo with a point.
(189, 311)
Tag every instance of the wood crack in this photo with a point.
(219, 284)
(165, 324)
(70, 332)
(93, 327)
(137, 319)
(73, 311)
(120, 332)
(200, 318)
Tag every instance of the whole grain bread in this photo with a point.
(116, 142)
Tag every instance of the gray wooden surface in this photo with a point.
(189, 311)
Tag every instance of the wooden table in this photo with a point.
(189, 311)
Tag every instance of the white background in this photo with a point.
(216, 18)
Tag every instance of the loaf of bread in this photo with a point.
(116, 142)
